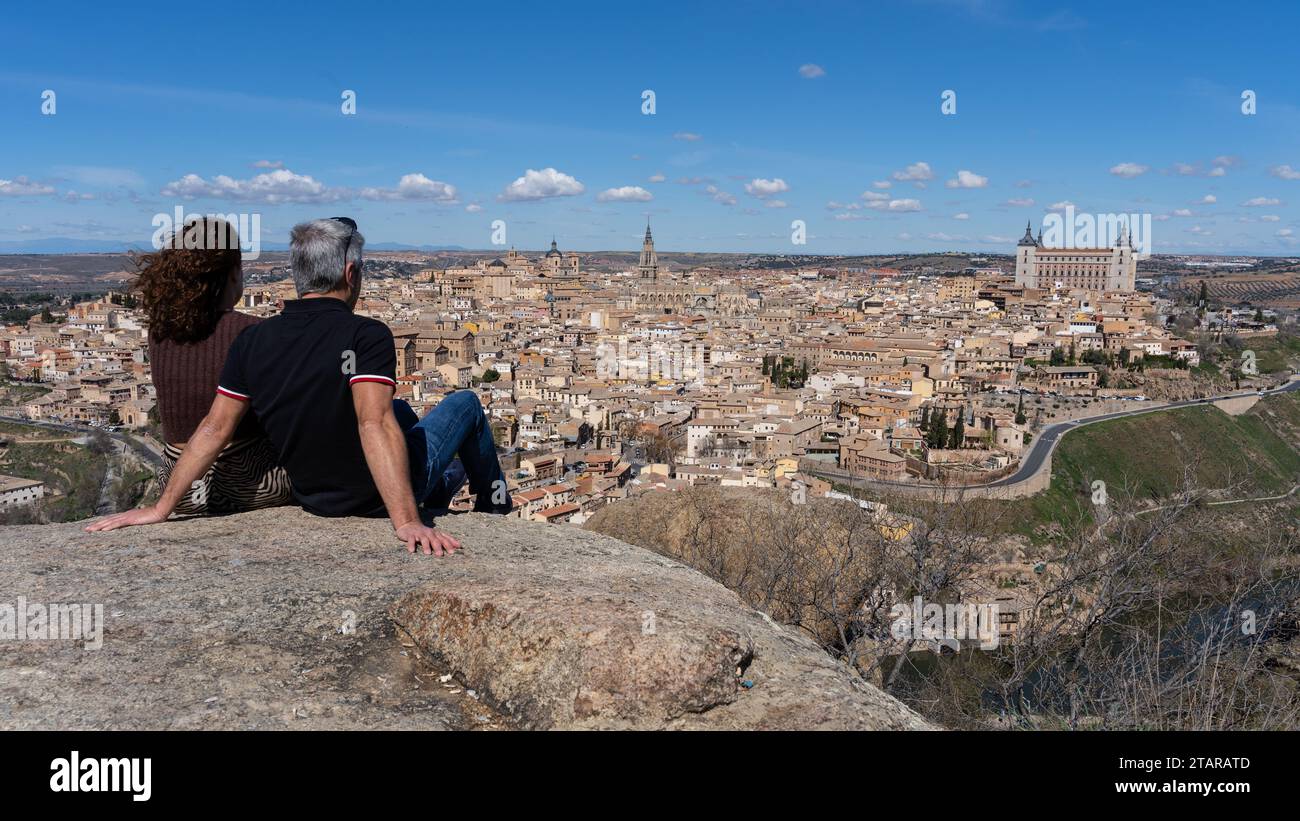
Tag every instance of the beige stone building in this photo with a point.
(1090, 269)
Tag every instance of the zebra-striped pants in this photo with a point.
(244, 477)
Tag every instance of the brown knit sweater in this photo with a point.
(185, 376)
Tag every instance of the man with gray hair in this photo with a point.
(320, 380)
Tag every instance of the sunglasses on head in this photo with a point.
(351, 224)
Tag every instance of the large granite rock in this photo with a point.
(278, 619)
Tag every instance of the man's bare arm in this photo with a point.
(384, 444)
(209, 439)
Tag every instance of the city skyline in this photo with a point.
(834, 117)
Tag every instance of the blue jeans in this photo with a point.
(455, 427)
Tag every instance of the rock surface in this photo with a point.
(277, 619)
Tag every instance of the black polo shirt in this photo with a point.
(296, 371)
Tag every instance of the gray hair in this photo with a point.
(316, 254)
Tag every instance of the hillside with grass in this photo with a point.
(1277, 354)
(1146, 459)
(73, 474)
(83, 473)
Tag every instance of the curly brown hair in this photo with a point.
(181, 284)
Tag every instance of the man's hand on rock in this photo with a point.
(140, 516)
(430, 540)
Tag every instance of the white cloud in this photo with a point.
(1259, 202)
(1217, 171)
(811, 71)
(775, 204)
(1180, 168)
(657, 177)
(541, 185)
(626, 193)
(719, 196)
(1182, 212)
(1059, 206)
(1128, 170)
(917, 171)
(1270, 218)
(882, 184)
(896, 205)
(1285, 232)
(276, 187)
(1209, 199)
(688, 136)
(874, 196)
(473, 208)
(1020, 202)
(23, 187)
(761, 188)
(967, 179)
(1285, 172)
(413, 187)
(962, 216)
(268, 164)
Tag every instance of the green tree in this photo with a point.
(938, 437)
(958, 433)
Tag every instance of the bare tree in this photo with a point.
(1173, 614)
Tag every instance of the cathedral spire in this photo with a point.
(648, 266)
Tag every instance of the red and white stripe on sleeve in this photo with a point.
(372, 377)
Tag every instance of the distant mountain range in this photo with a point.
(397, 246)
(66, 245)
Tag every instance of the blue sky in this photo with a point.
(765, 113)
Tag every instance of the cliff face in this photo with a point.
(278, 619)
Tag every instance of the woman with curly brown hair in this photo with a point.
(188, 289)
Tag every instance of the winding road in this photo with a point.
(1041, 449)
(138, 445)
